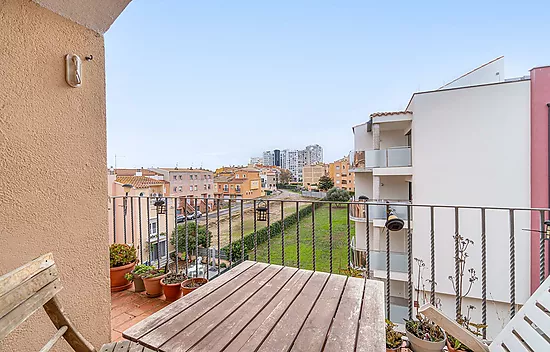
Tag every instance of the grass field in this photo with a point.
(322, 242)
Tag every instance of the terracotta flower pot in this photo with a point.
(419, 345)
(153, 286)
(138, 284)
(118, 281)
(187, 290)
(392, 349)
(172, 292)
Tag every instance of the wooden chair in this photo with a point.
(529, 330)
(36, 284)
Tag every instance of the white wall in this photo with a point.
(472, 147)
(393, 138)
(394, 187)
(490, 73)
(362, 138)
(363, 184)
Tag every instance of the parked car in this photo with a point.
(191, 216)
(180, 218)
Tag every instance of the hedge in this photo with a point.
(262, 234)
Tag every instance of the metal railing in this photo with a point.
(319, 235)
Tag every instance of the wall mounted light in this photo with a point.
(73, 70)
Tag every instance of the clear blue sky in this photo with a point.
(212, 83)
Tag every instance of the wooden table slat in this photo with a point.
(342, 334)
(155, 338)
(222, 333)
(283, 334)
(313, 334)
(253, 334)
(263, 307)
(137, 331)
(372, 326)
(199, 328)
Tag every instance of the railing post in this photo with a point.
(298, 234)
(255, 233)
(268, 235)
(230, 239)
(196, 239)
(282, 233)
(132, 219)
(218, 226)
(512, 266)
(367, 242)
(313, 234)
(140, 232)
(176, 232)
(158, 238)
(150, 259)
(483, 273)
(186, 236)
(207, 239)
(458, 307)
(124, 211)
(348, 228)
(432, 255)
(114, 220)
(388, 276)
(242, 230)
(542, 269)
(330, 234)
(409, 264)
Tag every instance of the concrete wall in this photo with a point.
(491, 72)
(471, 146)
(52, 153)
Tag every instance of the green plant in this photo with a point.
(457, 345)
(223, 265)
(325, 183)
(138, 270)
(121, 254)
(425, 329)
(153, 273)
(194, 283)
(204, 238)
(349, 271)
(175, 278)
(393, 338)
(337, 195)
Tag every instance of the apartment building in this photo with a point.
(339, 172)
(312, 174)
(313, 154)
(148, 229)
(237, 182)
(277, 157)
(256, 160)
(479, 140)
(269, 176)
(188, 183)
(268, 158)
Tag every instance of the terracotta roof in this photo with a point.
(140, 181)
(388, 113)
(132, 172)
(183, 169)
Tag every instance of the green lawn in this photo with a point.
(322, 242)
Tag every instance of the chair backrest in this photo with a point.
(529, 330)
(25, 290)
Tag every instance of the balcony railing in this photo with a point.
(391, 157)
(319, 235)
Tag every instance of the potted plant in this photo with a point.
(151, 280)
(122, 261)
(192, 284)
(454, 345)
(171, 284)
(424, 335)
(393, 338)
(135, 276)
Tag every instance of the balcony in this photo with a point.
(316, 233)
(391, 161)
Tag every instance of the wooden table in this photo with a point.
(257, 306)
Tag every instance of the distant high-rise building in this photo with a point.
(269, 158)
(313, 154)
(277, 156)
(256, 160)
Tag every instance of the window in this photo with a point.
(238, 188)
(175, 177)
(337, 167)
(180, 188)
(225, 188)
(191, 188)
(190, 177)
(175, 188)
(344, 167)
(337, 182)
(158, 249)
(337, 175)
(153, 226)
(209, 186)
(244, 175)
(196, 188)
(180, 177)
(237, 176)
(141, 194)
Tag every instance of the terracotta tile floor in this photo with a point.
(129, 308)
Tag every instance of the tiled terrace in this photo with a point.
(129, 308)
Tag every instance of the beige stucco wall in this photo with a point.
(53, 187)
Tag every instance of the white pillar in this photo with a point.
(376, 136)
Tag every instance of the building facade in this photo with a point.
(256, 160)
(268, 158)
(480, 140)
(188, 183)
(277, 157)
(339, 172)
(312, 174)
(238, 183)
(313, 154)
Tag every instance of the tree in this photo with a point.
(191, 240)
(337, 195)
(325, 183)
(285, 177)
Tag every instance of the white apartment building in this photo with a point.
(313, 154)
(256, 160)
(268, 158)
(475, 141)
